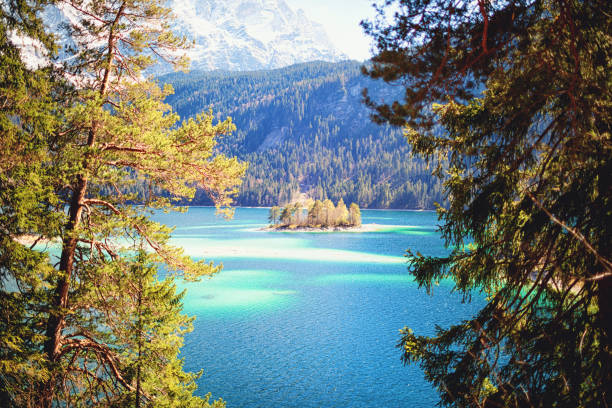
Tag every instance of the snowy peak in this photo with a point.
(250, 34)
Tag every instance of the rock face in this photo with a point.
(240, 35)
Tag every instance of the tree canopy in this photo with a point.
(315, 214)
(516, 95)
(87, 317)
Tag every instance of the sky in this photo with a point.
(341, 21)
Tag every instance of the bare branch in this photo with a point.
(88, 343)
(578, 235)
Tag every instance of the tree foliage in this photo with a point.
(354, 215)
(315, 214)
(516, 95)
(94, 322)
(27, 199)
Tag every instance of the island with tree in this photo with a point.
(315, 215)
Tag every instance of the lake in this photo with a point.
(307, 319)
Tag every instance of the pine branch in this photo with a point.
(579, 236)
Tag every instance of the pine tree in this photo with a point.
(88, 143)
(354, 217)
(27, 202)
(150, 332)
(274, 216)
(517, 95)
(315, 214)
(285, 217)
(328, 212)
(341, 213)
(297, 214)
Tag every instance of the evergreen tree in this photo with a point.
(87, 142)
(285, 217)
(315, 216)
(517, 95)
(328, 212)
(151, 329)
(274, 216)
(27, 202)
(341, 213)
(354, 217)
(297, 217)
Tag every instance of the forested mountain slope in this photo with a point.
(305, 131)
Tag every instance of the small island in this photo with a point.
(315, 215)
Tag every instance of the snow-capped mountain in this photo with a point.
(250, 34)
(233, 35)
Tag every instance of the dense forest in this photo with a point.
(305, 131)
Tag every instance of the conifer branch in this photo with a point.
(578, 235)
(101, 350)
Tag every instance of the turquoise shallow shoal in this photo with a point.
(311, 320)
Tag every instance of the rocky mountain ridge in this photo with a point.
(239, 35)
(229, 35)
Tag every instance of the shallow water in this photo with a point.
(310, 320)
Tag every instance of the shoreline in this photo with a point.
(267, 208)
(361, 228)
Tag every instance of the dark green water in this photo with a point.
(310, 319)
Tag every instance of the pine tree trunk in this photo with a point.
(56, 321)
(57, 317)
(139, 362)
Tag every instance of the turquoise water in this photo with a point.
(310, 319)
